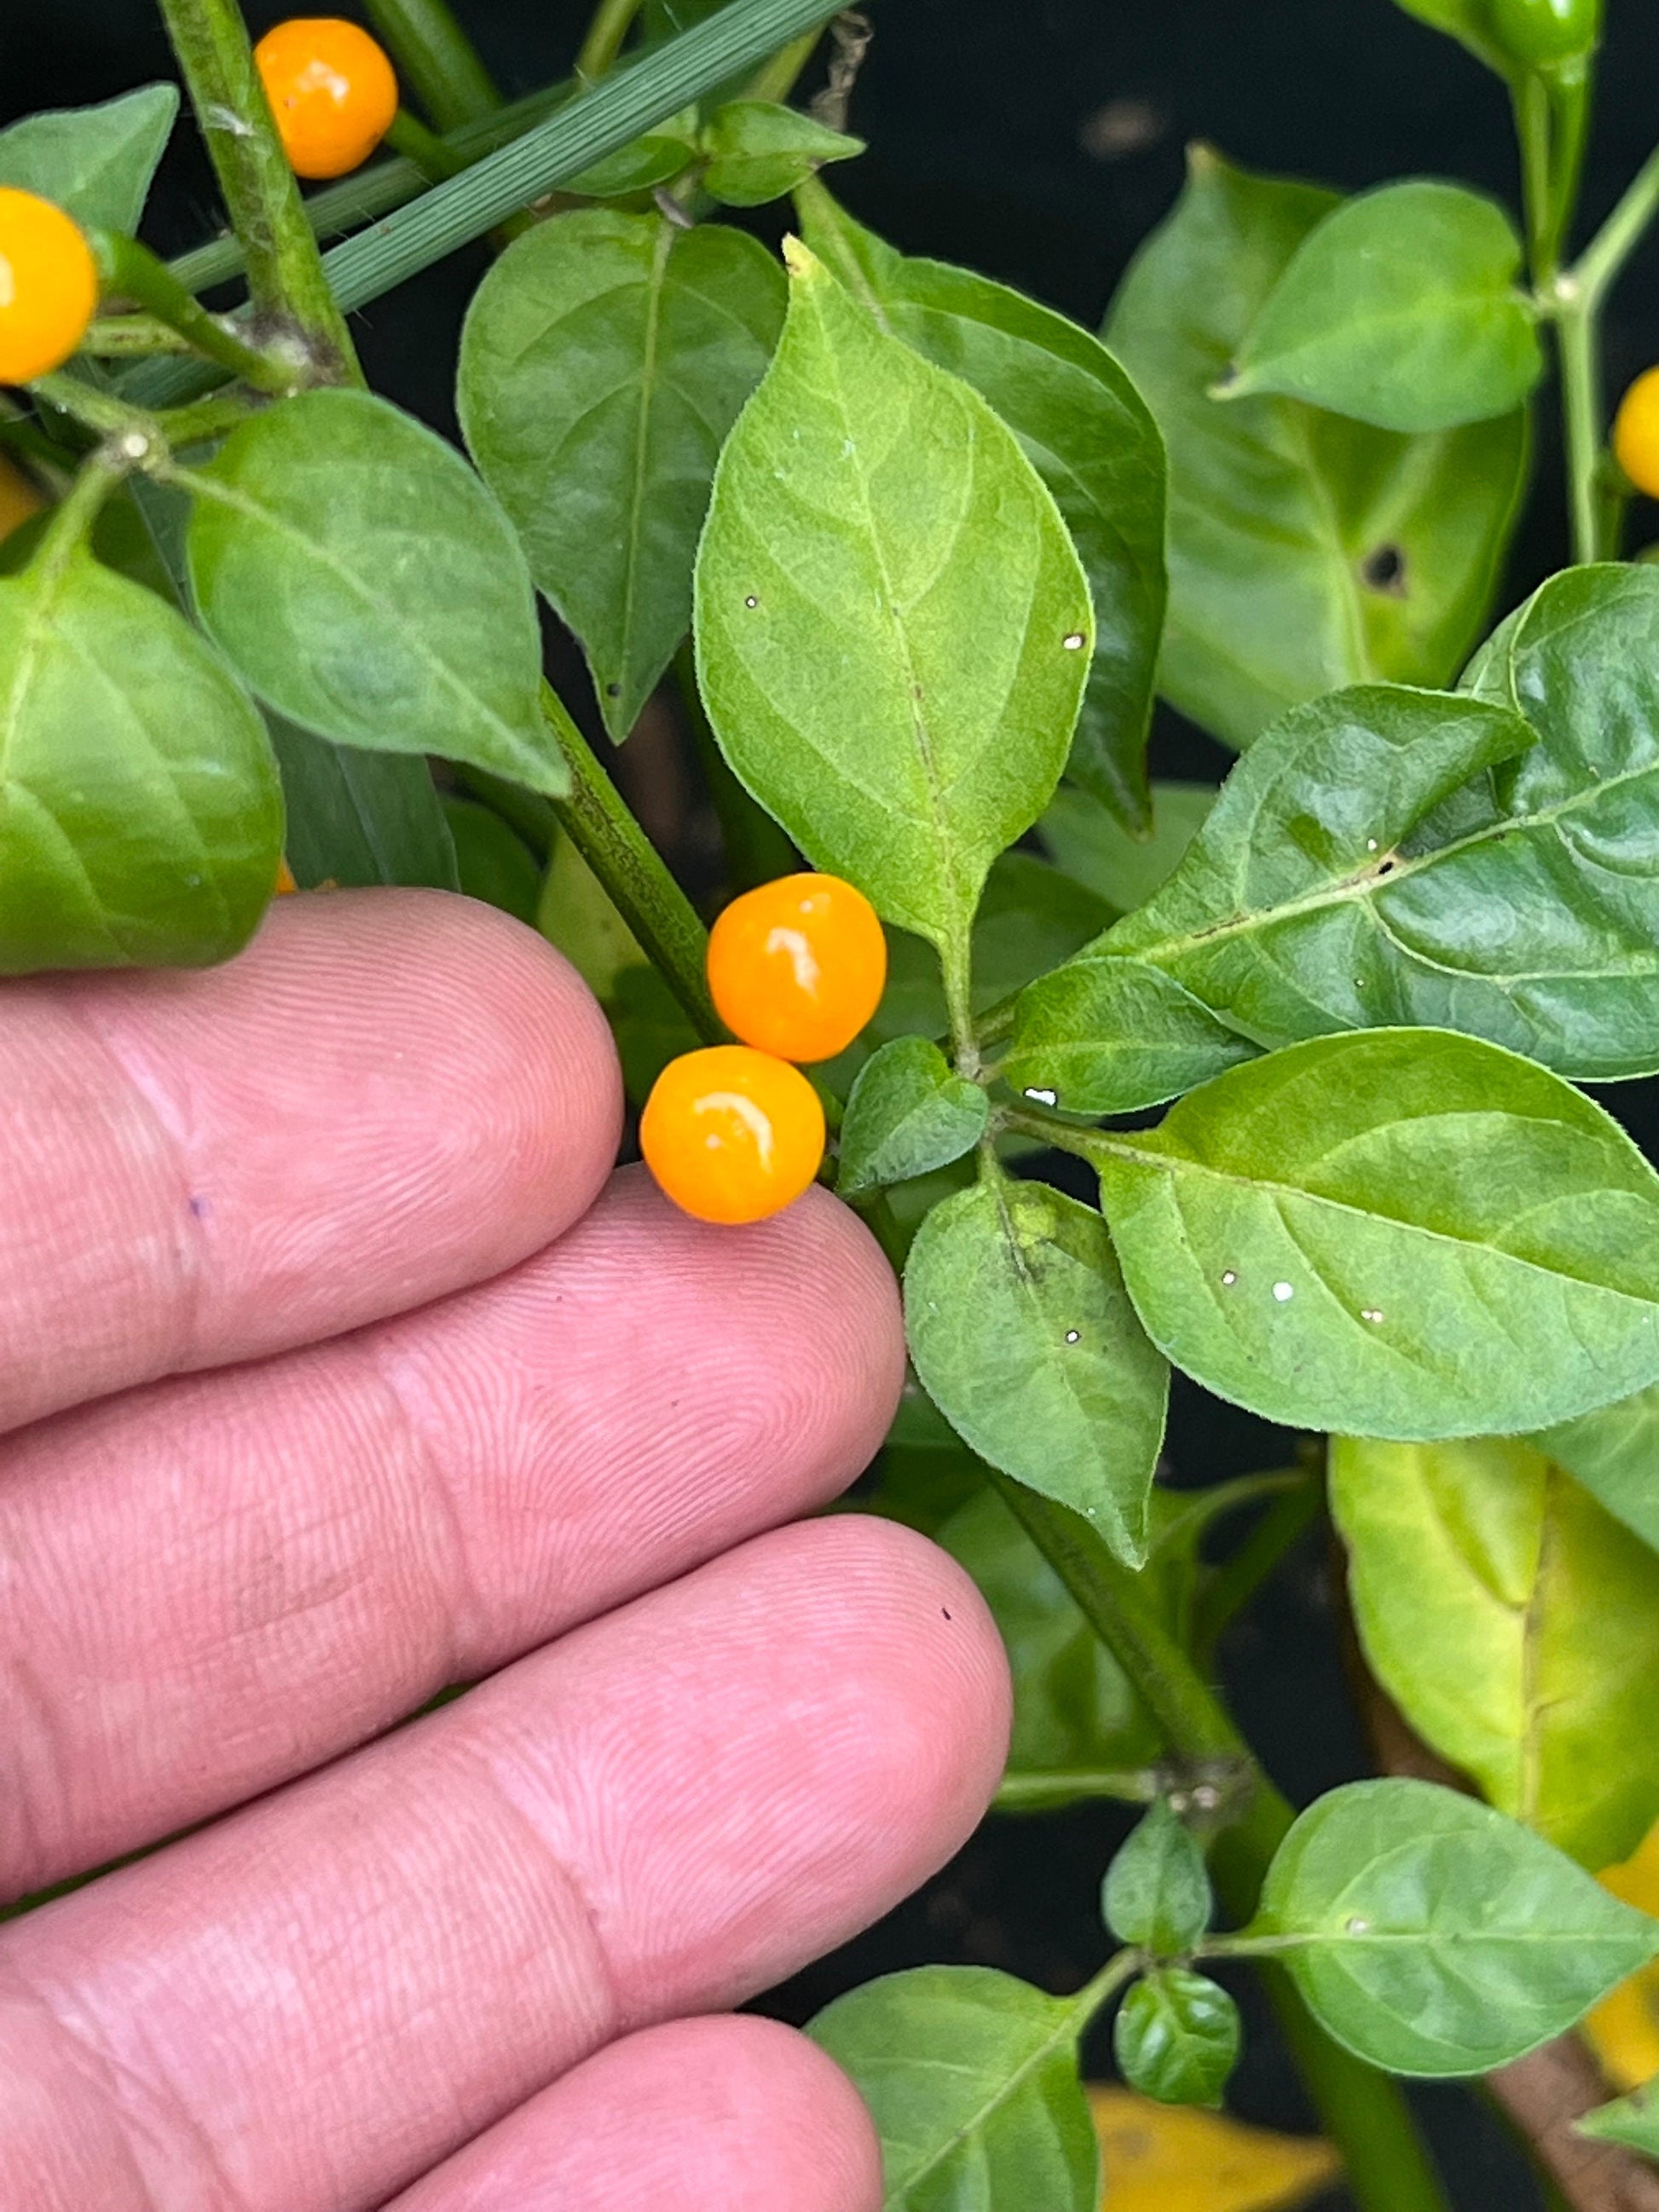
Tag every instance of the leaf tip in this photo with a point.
(801, 260)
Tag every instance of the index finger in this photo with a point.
(389, 1095)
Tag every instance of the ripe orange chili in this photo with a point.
(796, 967)
(1636, 433)
(332, 90)
(48, 286)
(731, 1134)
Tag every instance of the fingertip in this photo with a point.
(735, 2113)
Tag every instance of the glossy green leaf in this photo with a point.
(95, 162)
(1614, 1453)
(1515, 1626)
(1632, 2121)
(657, 159)
(1176, 2038)
(650, 1026)
(605, 358)
(1088, 843)
(1157, 1892)
(971, 2078)
(1079, 1730)
(1109, 1035)
(908, 1112)
(1400, 1234)
(1401, 309)
(892, 628)
(356, 574)
(1306, 551)
(577, 913)
(358, 817)
(760, 151)
(1466, 20)
(1025, 1338)
(1088, 434)
(141, 823)
(493, 863)
(1434, 1936)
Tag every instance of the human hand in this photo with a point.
(476, 1967)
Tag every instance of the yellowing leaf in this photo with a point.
(1624, 2029)
(1178, 2158)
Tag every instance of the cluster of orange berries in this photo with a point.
(796, 969)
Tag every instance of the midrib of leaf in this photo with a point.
(940, 823)
(1172, 1164)
(211, 487)
(1385, 327)
(1387, 868)
(655, 283)
(1067, 2028)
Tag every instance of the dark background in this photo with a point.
(1038, 140)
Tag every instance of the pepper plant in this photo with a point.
(919, 552)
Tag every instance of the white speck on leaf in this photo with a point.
(1074, 641)
(1283, 1291)
(1357, 1926)
(1371, 1313)
(1229, 1278)
(1043, 1097)
(1072, 1335)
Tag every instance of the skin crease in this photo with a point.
(402, 1405)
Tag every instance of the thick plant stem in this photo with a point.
(1361, 2111)
(1583, 403)
(435, 59)
(131, 271)
(286, 282)
(596, 820)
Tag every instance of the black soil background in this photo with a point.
(1039, 141)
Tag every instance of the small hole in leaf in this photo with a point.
(1383, 569)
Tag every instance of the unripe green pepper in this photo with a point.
(1538, 33)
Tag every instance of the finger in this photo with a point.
(390, 1094)
(740, 2115)
(305, 2008)
(217, 1583)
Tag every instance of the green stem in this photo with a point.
(1037, 1791)
(432, 155)
(131, 337)
(1601, 263)
(131, 271)
(1238, 1578)
(1530, 96)
(1363, 2111)
(756, 849)
(285, 281)
(435, 59)
(73, 518)
(112, 417)
(596, 818)
(775, 79)
(1569, 102)
(603, 41)
(1578, 334)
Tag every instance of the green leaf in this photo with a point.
(358, 817)
(1079, 1730)
(1087, 842)
(650, 1026)
(656, 159)
(1466, 20)
(96, 163)
(1108, 1036)
(1515, 1626)
(1176, 2038)
(1306, 551)
(605, 358)
(1614, 1453)
(760, 151)
(1157, 1893)
(1434, 1936)
(971, 2078)
(577, 913)
(493, 863)
(907, 1114)
(1632, 2121)
(1088, 434)
(354, 572)
(892, 628)
(1025, 1339)
(141, 823)
(1399, 1234)
(1401, 309)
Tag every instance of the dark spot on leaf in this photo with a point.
(613, 690)
(1383, 569)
